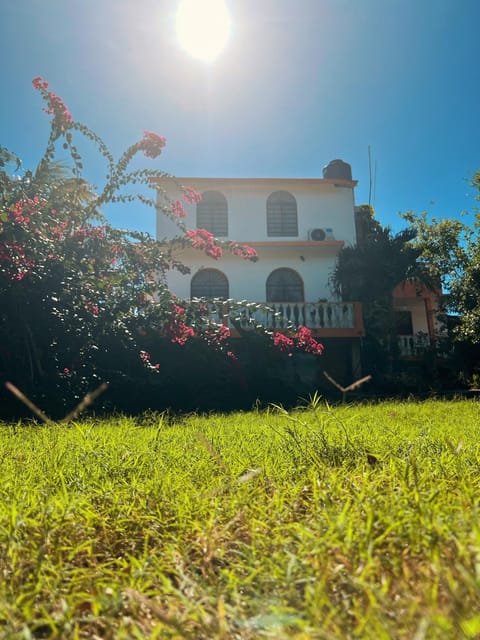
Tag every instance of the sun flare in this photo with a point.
(203, 27)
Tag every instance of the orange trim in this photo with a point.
(358, 315)
(357, 331)
(318, 333)
(294, 243)
(219, 181)
(429, 313)
(413, 289)
(268, 243)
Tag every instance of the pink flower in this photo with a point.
(58, 109)
(144, 356)
(302, 340)
(214, 252)
(92, 308)
(243, 251)
(39, 83)
(216, 335)
(203, 239)
(191, 196)
(223, 332)
(306, 342)
(152, 144)
(181, 333)
(196, 239)
(176, 328)
(283, 342)
(66, 371)
(178, 210)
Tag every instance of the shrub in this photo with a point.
(81, 300)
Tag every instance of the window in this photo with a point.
(403, 323)
(209, 283)
(212, 213)
(282, 214)
(284, 285)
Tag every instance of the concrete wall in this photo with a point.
(320, 204)
(247, 280)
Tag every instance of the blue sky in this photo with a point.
(300, 82)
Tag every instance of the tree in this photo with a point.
(81, 300)
(449, 250)
(78, 296)
(368, 272)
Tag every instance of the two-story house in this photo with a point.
(297, 226)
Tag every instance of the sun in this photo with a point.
(203, 27)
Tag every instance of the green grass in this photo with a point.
(345, 522)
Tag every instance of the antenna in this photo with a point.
(370, 176)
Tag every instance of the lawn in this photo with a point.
(355, 521)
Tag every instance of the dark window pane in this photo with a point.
(212, 213)
(403, 323)
(284, 285)
(282, 215)
(209, 283)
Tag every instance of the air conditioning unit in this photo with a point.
(320, 234)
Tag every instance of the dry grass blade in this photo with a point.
(153, 607)
(357, 384)
(27, 402)
(86, 402)
(351, 387)
(249, 474)
(104, 537)
(213, 452)
(334, 382)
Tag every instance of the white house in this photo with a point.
(297, 226)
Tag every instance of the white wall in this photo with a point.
(319, 205)
(247, 280)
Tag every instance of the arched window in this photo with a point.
(212, 213)
(209, 283)
(284, 285)
(282, 214)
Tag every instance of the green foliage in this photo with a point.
(78, 297)
(450, 251)
(321, 522)
(374, 267)
(369, 272)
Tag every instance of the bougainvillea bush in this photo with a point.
(80, 300)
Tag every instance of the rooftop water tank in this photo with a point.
(338, 170)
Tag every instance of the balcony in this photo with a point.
(413, 346)
(335, 319)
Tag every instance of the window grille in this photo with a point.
(212, 213)
(282, 219)
(209, 283)
(284, 285)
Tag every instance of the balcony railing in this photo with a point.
(413, 346)
(344, 317)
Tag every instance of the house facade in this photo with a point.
(417, 325)
(297, 226)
